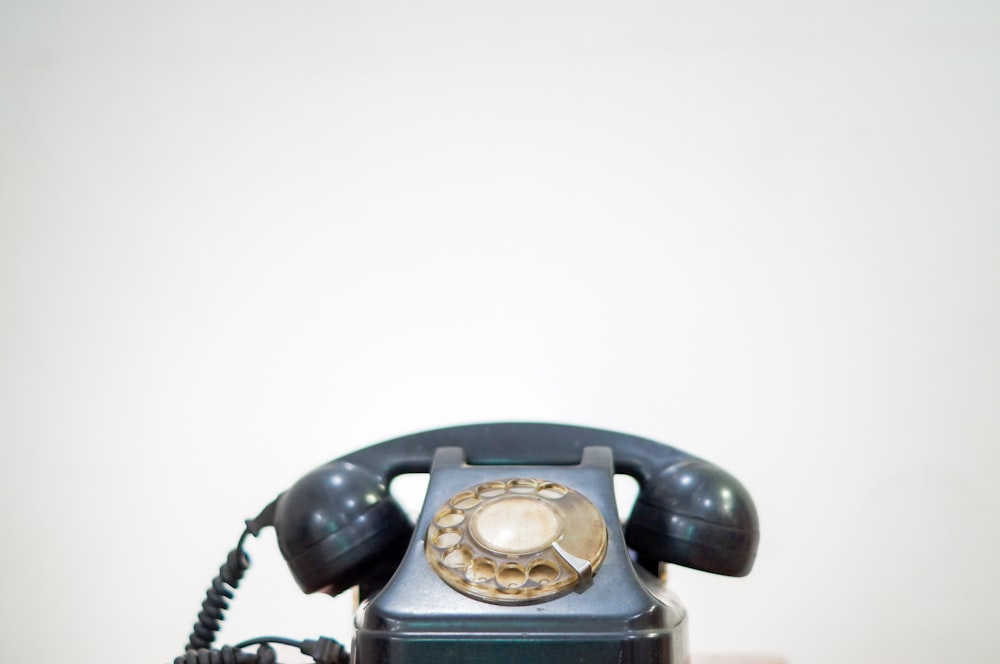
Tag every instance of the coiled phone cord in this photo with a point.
(198, 649)
(217, 597)
(228, 655)
(323, 651)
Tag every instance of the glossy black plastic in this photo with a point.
(335, 524)
(695, 514)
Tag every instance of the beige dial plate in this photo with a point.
(516, 540)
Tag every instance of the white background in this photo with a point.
(238, 239)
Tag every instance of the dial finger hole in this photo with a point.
(448, 518)
(543, 571)
(522, 485)
(481, 570)
(491, 489)
(447, 538)
(511, 575)
(552, 490)
(465, 500)
(459, 556)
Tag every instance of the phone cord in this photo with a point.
(217, 598)
(228, 655)
(323, 650)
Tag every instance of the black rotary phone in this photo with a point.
(517, 554)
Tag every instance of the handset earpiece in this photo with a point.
(694, 514)
(338, 527)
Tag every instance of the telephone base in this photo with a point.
(622, 615)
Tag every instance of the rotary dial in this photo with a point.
(516, 540)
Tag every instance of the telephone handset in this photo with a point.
(517, 551)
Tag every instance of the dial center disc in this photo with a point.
(516, 525)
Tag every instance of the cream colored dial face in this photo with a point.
(516, 540)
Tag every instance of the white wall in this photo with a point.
(238, 239)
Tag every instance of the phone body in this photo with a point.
(618, 616)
